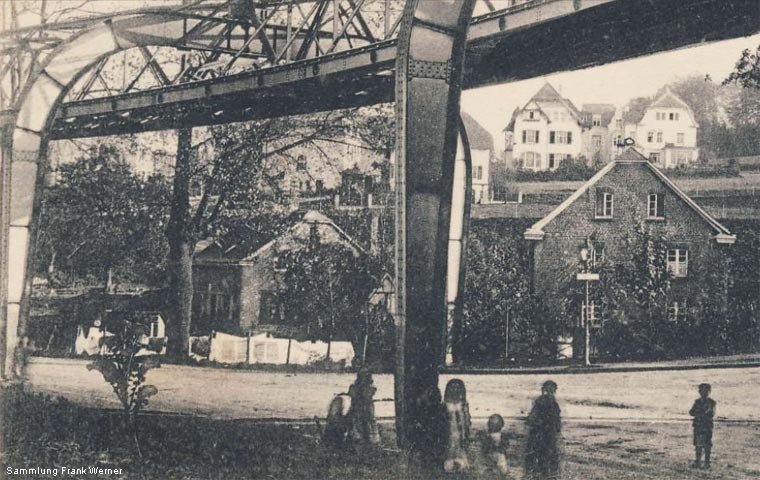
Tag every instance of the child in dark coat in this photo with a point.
(495, 443)
(542, 446)
(703, 412)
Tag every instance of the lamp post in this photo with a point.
(587, 277)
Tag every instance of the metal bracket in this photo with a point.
(429, 69)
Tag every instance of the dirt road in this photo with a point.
(616, 425)
(226, 393)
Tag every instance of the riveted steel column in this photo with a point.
(428, 86)
(7, 122)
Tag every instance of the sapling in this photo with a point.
(123, 362)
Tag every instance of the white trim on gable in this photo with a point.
(722, 236)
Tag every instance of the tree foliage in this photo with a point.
(327, 287)
(497, 290)
(99, 216)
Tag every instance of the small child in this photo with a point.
(703, 412)
(495, 443)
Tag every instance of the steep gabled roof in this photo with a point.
(478, 136)
(548, 96)
(605, 110)
(669, 99)
(630, 156)
(248, 252)
(511, 125)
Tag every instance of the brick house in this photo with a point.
(236, 287)
(606, 211)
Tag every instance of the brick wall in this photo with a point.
(557, 257)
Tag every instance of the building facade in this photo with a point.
(237, 287)
(603, 215)
(550, 129)
(546, 131)
(665, 132)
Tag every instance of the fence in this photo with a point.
(263, 349)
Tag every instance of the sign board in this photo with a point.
(588, 277)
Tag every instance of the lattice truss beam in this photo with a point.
(200, 40)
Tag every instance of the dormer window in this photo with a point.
(596, 120)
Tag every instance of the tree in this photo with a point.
(497, 292)
(701, 94)
(240, 170)
(326, 286)
(633, 295)
(100, 222)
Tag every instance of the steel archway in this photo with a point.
(23, 152)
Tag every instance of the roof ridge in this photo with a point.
(536, 232)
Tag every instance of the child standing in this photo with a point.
(495, 444)
(703, 412)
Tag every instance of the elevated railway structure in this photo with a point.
(209, 61)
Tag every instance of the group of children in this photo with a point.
(544, 424)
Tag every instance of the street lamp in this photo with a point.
(587, 277)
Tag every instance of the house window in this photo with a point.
(271, 311)
(659, 137)
(673, 115)
(650, 137)
(604, 204)
(678, 262)
(530, 136)
(217, 305)
(656, 205)
(654, 157)
(559, 137)
(531, 115)
(478, 173)
(596, 120)
(531, 160)
(301, 163)
(155, 327)
(659, 116)
(596, 141)
(679, 138)
(677, 311)
(552, 161)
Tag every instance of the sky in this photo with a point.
(615, 83)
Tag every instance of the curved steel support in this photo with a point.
(461, 205)
(429, 68)
(23, 156)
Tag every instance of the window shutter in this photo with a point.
(537, 136)
(551, 136)
(599, 203)
(661, 205)
(524, 136)
(569, 138)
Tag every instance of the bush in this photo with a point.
(574, 169)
